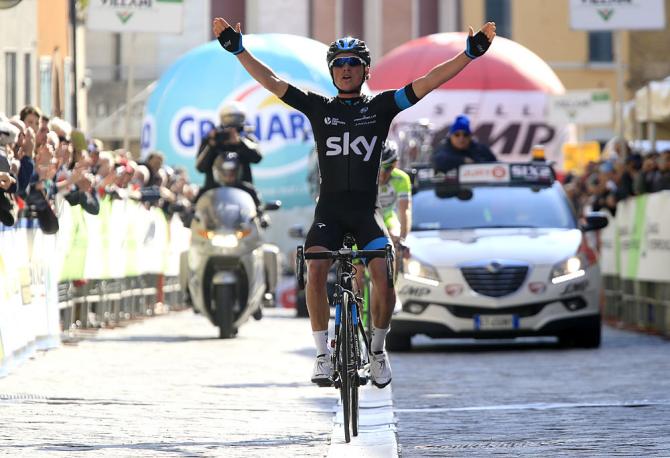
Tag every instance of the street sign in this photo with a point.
(162, 16)
(617, 14)
(590, 107)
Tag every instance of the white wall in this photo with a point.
(278, 16)
(18, 33)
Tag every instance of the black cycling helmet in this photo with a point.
(389, 152)
(348, 45)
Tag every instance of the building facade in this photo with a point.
(37, 59)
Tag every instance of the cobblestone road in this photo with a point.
(169, 387)
(534, 399)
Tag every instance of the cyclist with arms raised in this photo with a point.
(349, 130)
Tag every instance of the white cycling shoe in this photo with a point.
(322, 374)
(380, 369)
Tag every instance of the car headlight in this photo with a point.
(225, 240)
(420, 271)
(569, 269)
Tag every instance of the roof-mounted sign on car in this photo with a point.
(497, 173)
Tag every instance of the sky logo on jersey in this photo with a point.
(342, 145)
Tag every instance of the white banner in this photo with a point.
(581, 107)
(162, 16)
(654, 255)
(617, 14)
(637, 246)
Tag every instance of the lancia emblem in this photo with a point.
(494, 267)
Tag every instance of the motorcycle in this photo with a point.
(232, 273)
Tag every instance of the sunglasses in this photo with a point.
(352, 61)
(460, 133)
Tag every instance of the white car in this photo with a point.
(497, 252)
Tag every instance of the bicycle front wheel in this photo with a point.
(345, 362)
(354, 359)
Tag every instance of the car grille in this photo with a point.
(522, 311)
(501, 282)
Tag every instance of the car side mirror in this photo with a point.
(296, 231)
(594, 221)
(445, 191)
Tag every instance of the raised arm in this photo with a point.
(231, 40)
(476, 46)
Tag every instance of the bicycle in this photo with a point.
(348, 361)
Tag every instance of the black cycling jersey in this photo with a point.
(349, 134)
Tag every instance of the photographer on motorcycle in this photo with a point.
(229, 136)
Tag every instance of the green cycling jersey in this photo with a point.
(399, 186)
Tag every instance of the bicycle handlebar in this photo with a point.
(344, 254)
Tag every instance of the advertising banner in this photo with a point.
(654, 238)
(637, 247)
(135, 15)
(509, 124)
(617, 14)
(505, 94)
(186, 101)
(28, 294)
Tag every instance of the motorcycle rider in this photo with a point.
(349, 130)
(229, 136)
(228, 171)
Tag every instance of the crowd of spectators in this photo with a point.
(44, 161)
(623, 174)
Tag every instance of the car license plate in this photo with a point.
(497, 322)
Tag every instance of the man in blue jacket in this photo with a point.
(460, 148)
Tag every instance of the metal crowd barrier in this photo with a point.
(637, 304)
(91, 304)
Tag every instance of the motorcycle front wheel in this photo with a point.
(224, 297)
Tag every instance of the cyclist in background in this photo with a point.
(395, 192)
(395, 202)
(349, 131)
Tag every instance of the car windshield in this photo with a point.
(493, 207)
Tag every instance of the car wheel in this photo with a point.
(587, 337)
(398, 342)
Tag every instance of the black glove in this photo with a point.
(231, 40)
(477, 45)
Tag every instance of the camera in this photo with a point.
(222, 136)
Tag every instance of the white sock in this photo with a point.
(321, 342)
(378, 339)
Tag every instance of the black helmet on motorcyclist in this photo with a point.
(227, 169)
(389, 153)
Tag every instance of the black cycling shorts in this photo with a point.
(338, 215)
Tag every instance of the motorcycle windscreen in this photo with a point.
(225, 208)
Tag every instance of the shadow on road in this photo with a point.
(155, 339)
(473, 346)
